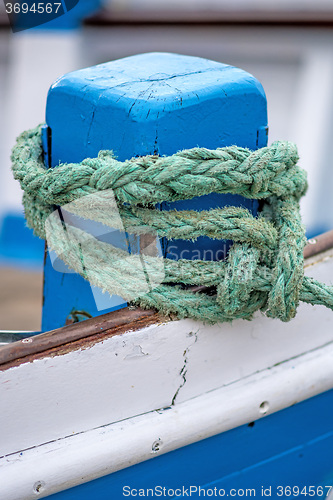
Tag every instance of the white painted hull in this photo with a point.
(129, 397)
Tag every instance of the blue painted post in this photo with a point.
(155, 103)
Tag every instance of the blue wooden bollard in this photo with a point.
(155, 103)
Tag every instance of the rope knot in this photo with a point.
(236, 293)
(264, 268)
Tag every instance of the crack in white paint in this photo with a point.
(136, 352)
(183, 371)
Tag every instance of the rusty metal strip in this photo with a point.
(79, 335)
(110, 324)
(319, 244)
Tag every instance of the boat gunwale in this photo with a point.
(86, 333)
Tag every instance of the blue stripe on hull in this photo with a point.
(293, 447)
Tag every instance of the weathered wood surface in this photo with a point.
(78, 458)
(108, 324)
(151, 363)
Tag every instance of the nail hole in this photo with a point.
(27, 341)
(156, 446)
(39, 487)
(264, 407)
(251, 424)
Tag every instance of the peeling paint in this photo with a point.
(136, 353)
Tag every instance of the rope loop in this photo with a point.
(264, 268)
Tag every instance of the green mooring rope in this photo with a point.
(264, 268)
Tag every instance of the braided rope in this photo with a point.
(264, 268)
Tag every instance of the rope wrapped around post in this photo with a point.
(264, 268)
